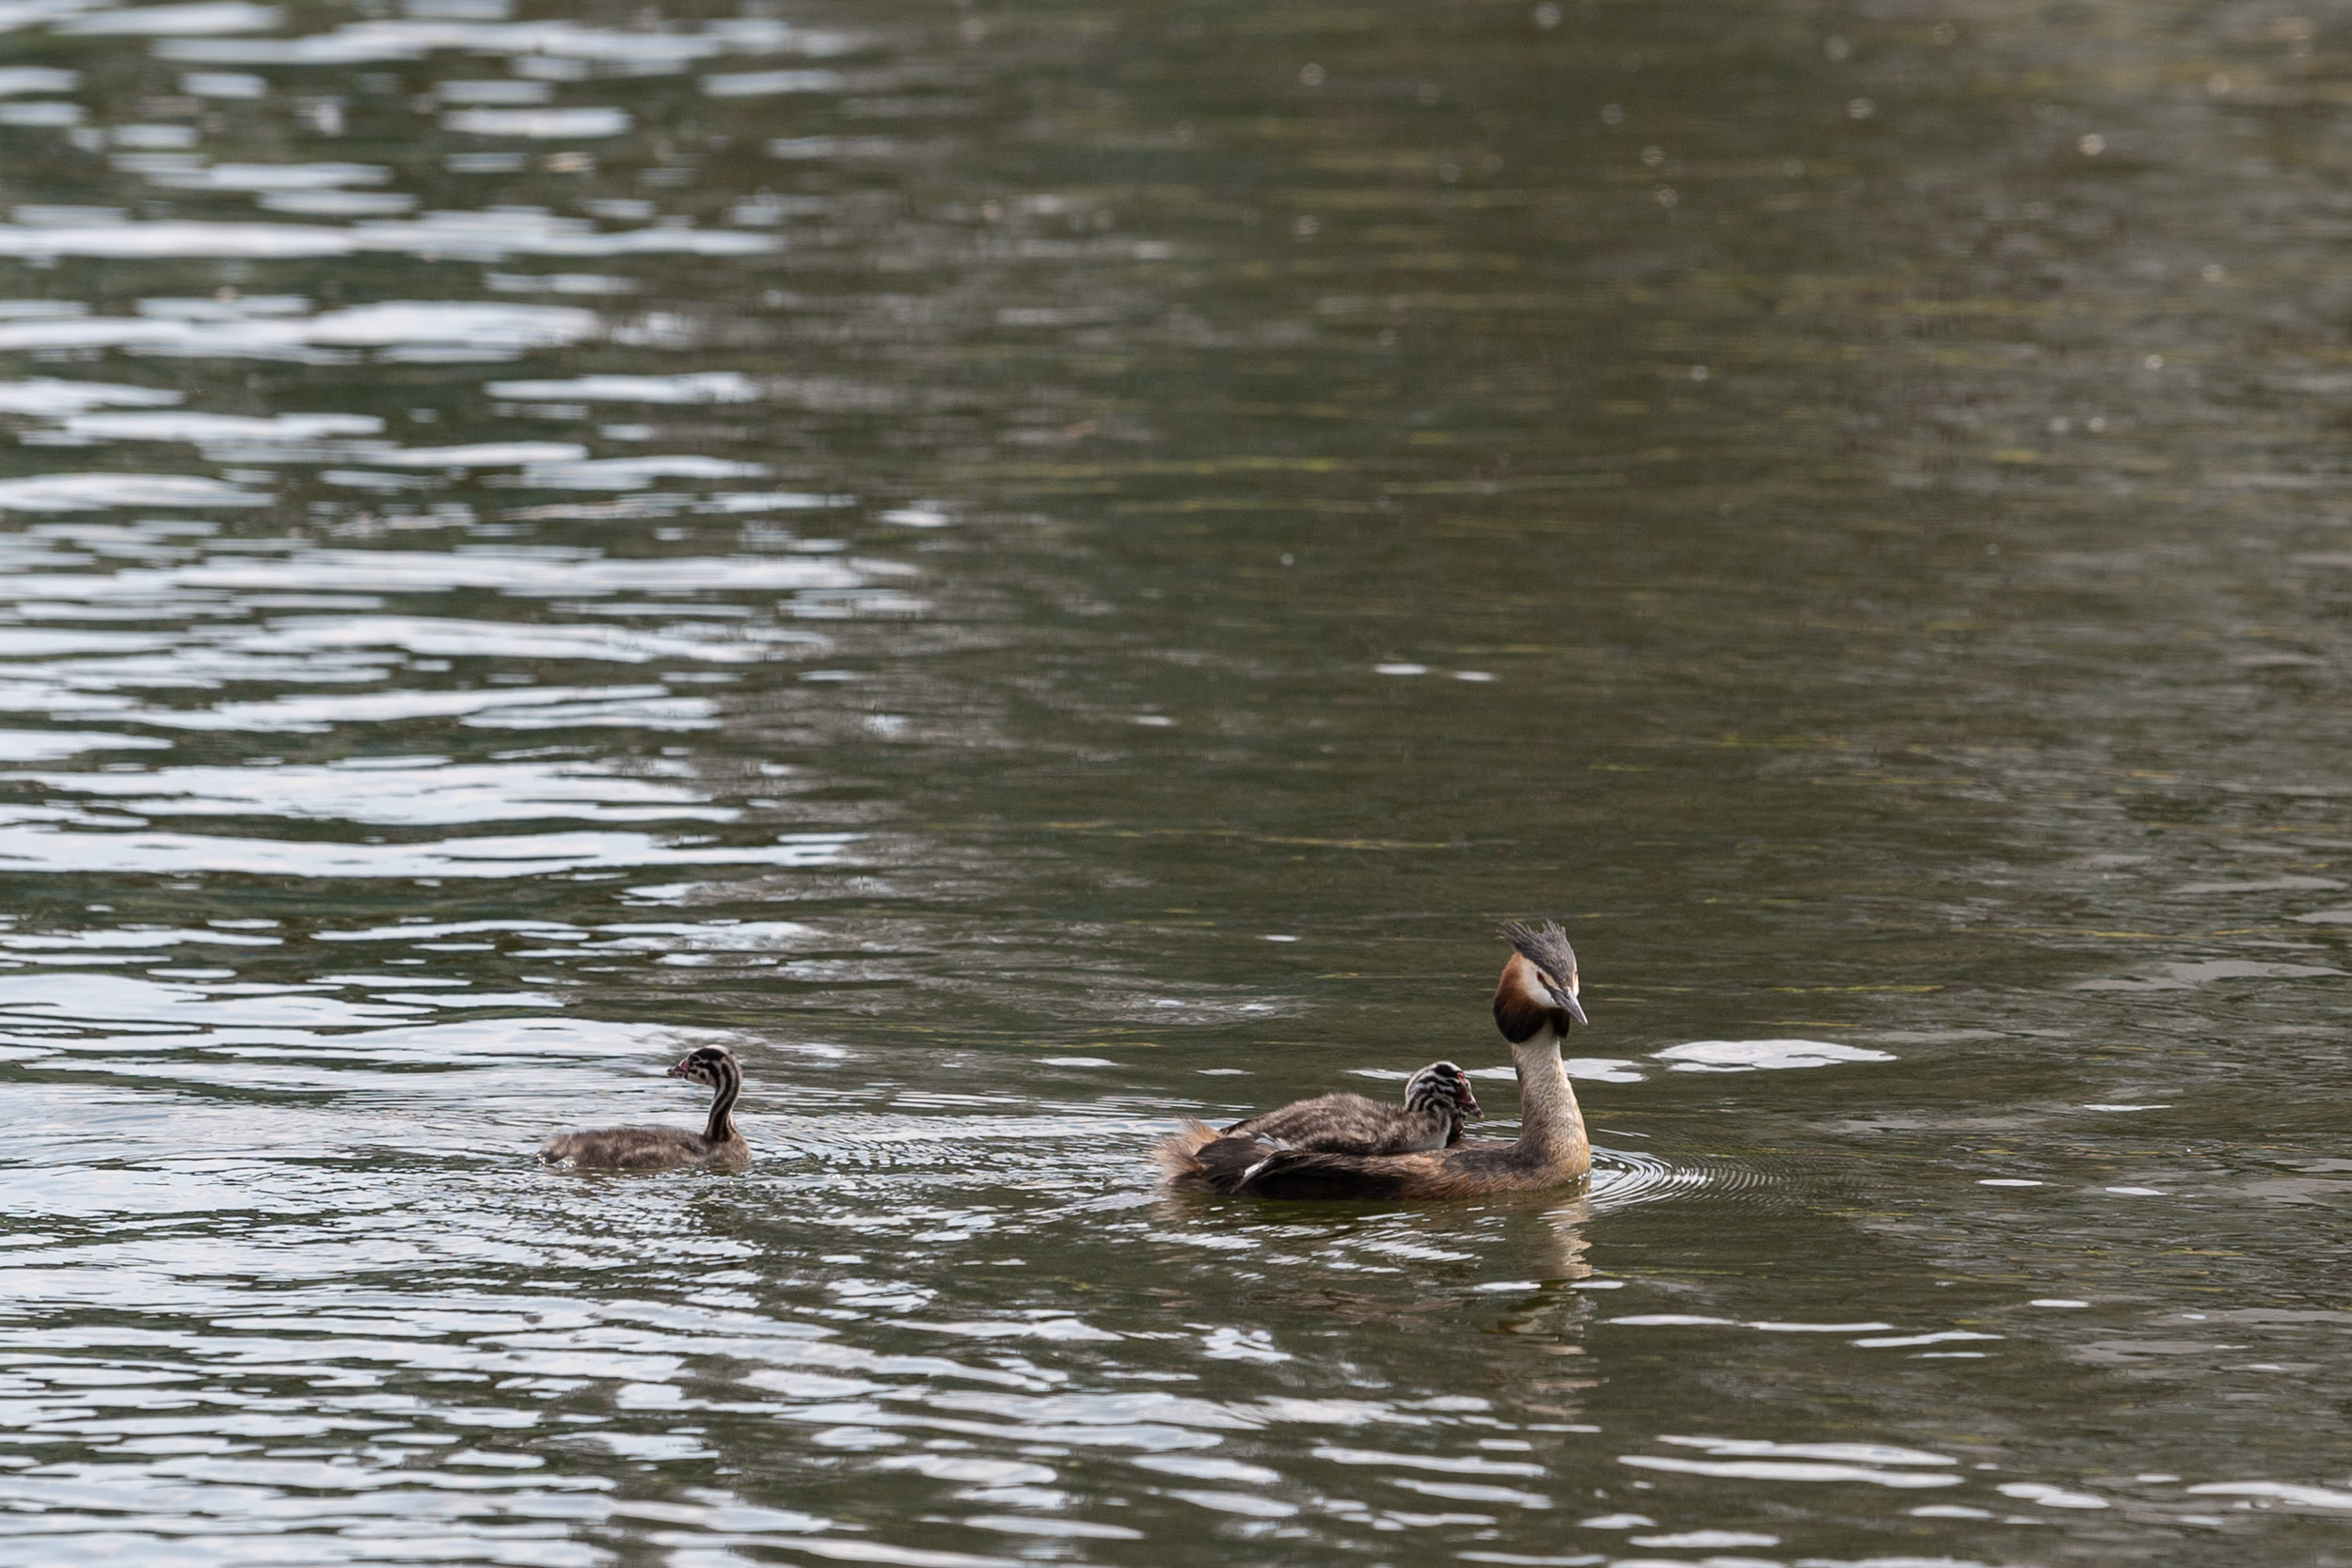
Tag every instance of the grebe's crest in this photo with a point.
(1545, 947)
(1539, 983)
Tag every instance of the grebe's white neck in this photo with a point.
(1552, 1123)
(1530, 1012)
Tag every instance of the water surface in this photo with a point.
(1037, 570)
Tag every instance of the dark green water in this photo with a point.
(1040, 569)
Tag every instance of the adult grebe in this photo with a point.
(718, 1146)
(1536, 1003)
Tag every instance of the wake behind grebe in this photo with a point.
(1627, 1178)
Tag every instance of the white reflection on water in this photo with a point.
(468, 236)
(452, 637)
(539, 124)
(207, 428)
(1752, 1459)
(49, 745)
(406, 792)
(276, 328)
(705, 386)
(35, 78)
(48, 396)
(524, 572)
(35, 847)
(96, 492)
(1752, 1056)
(195, 18)
(413, 38)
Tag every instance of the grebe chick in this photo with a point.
(718, 1146)
(1536, 1003)
(1438, 1098)
(1437, 1101)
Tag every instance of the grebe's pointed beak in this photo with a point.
(1575, 1008)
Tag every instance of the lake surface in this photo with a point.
(1035, 570)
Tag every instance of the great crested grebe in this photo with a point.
(1536, 1003)
(718, 1146)
(1437, 1101)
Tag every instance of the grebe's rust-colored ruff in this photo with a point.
(1536, 1004)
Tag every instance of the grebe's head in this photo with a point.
(1539, 985)
(1441, 1085)
(712, 1064)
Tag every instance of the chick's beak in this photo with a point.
(1467, 1104)
(681, 1070)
